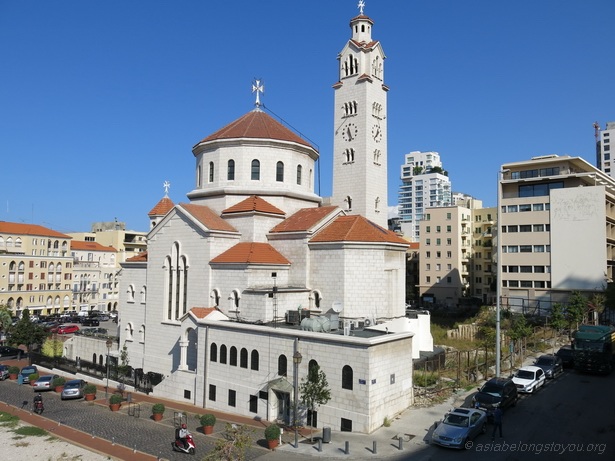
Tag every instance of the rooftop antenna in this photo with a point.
(258, 87)
(597, 131)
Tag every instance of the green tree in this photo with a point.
(233, 445)
(26, 332)
(6, 318)
(314, 390)
(52, 348)
(558, 319)
(123, 368)
(518, 331)
(576, 309)
(596, 304)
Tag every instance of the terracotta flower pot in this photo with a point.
(272, 443)
(157, 416)
(13, 376)
(59, 389)
(90, 397)
(208, 430)
(115, 406)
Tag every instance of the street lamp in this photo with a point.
(109, 343)
(297, 357)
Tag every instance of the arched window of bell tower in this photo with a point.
(348, 201)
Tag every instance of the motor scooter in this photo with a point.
(38, 407)
(189, 447)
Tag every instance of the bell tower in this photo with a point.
(360, 126)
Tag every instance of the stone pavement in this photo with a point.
(407, 436)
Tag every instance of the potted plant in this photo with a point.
(272, 434)
(13, 372)
(207, 421)
(157, 411)
(89, 391)
(58, 383)
(33, 378)
(115, 402)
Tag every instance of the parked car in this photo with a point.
(44, 383)
(459, 426)
(103, 317)
(8, 352)
(566, 354)
(529, 379)
(4, 372)
(551, 364)
(91, 321)
(497, 392)
(67, 329)
(73, 389)
(26, 372)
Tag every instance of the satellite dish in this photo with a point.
(337, 306)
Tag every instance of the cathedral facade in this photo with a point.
(256, 269)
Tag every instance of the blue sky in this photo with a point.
(101, 102)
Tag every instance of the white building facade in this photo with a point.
(254, 269)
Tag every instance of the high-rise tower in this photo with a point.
(360, 126)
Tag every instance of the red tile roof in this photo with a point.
(29, 229)
(356, 229)
(162, 207)
(207, 217)
(304, 219)
(253, 203)
(256, 124)
(89, 246)
(202, 312)
(141, 257)
(251, 253)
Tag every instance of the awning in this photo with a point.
(280, 384)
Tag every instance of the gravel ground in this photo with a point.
(46, 447)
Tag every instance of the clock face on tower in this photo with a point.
(377, 133)
(349, 132)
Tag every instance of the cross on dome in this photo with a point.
(361, 5)
(258, 87)
(167, 186)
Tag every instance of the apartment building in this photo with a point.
(95, 276)
(557, 219)
(424, 184)
(113, 233)
(36, 269)
(603, 147)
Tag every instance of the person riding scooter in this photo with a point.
(38, 403)
(182, 434)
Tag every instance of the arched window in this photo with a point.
(215, 296)
(313, 364)
(299, 173)
(223, 354)
(254, 360)
(347, 377)
(230, 170)
(282, 365)
(233, 357)
(279, 172)
(348, 201)
(213, 352)
(243, 358)
(256, 170)
(211, 171)
(199, 176)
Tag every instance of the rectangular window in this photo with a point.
(539, 284)
(538, 207)
(513, 268)
(428, 254)
(449, 242)
(438, 242)
(512, 248)
(438, 267)
(449, 254)
(526, 284)
(253, 404)
(232, 396)
(539, 269)
(449, 267)
(428, 267)
(513, 229)
(448, 216)
(428, 279)
(427, 241)
(525, 207)
(448, 229)
(438, 229)
(511, 209)
(513, 283)
(538, 227)
(212, 392)
(526, 269)
(525, 228)
(438, 254)
(428, 229)
(525, 248)
(539, 248)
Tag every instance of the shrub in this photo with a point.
(425, 379)
(115, 398)
(272, 432)
(89, 389)
(33, 377)
(13, 370)
(207, 419)
(59, 381)
(158, 409)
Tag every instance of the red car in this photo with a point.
(67, 329)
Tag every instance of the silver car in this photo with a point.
(73, 389)
(44, 383)
(459, 426)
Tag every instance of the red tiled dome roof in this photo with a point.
(256, 124)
